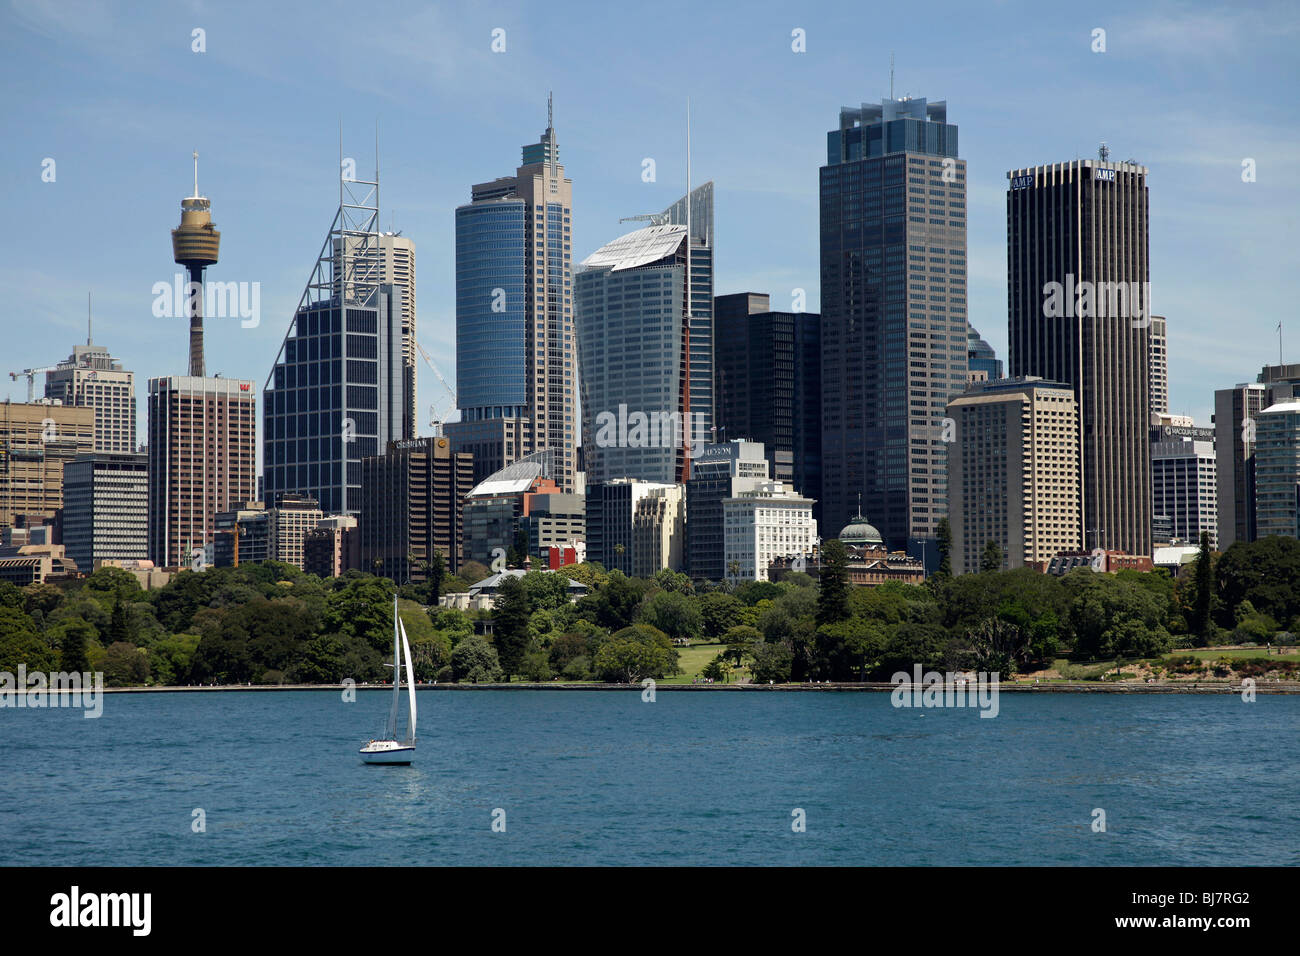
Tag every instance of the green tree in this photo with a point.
(991, 558)
(833, 583)
(1204, 604)
(943, 532)
(437, 575)
(511, 611)
(1264, 572)
(475, 660)
(125, 665)
(117, 626)
(74, 642)
(674, 613)
(635, 653)
(741, 641)
(772, 663)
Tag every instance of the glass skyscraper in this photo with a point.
(894, 316)
(515, 364)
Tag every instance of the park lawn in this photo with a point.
(1240, 653)
(694, 658)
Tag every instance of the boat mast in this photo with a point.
(397, 678)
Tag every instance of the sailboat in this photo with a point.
(388, 749)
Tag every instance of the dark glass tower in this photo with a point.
(1079, 303)
(894, 320)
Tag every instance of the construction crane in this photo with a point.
(31, 374)
(436, 420)
(657, 219)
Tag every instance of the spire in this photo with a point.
(196, 174)
(90, 339)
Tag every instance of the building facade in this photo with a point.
(1184, 483)
(411, 506)
(1013, 472)
(769, 385)
(202, 460)
(515, 345)
(894, 315)
(1079, 301)
(106, 508)
(646, 366)
(762, 524)
(92, 378)
(1277, 470)
(330, 548)
(720, 471)
(1159, 365)
(611, 520)
(37, 440)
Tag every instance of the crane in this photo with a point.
(657, 219)
(31, 374)
(435, 420)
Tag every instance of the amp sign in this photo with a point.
(1021, 182)
(1104, 175)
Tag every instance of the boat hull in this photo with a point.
(392, 756)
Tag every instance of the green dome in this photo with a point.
(859, 532)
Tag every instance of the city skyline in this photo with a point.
(258, 182)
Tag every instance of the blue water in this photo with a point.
(694, 778)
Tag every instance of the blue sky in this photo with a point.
(115, 95)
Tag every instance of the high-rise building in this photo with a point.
(241, 535)
(202, 460)
(106, 508)
(337, 393)
(330, 548)
(1184, 482)
(395, 263)
(496, 505)
(894, 315)
(1236, 411)
(1159, 365)
(411, 506)
(1079, 302)
(763, 524)
(983, 363)
(659, 531)
(195, 244)
(515, 362)
(555, 521)
(1277, 470)
(90, 377)
(646, 367)
(769, 384)
(1013, 472)
(720, 471)
(37, 440)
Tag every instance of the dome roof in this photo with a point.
(858, 531)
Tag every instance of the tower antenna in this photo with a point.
(196, 174)
(90, 338)
(891, 74)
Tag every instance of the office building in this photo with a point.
(769, 384)
(106, 508)
(1079, 303)
(37, 440)
(515, 362)
(555, 523)
(337, 393)
(720, 471)
(411, 506)
(92, 378)
(659, 531)
(332, 547)
(202, 455)
(1184, 484)
(894, 315)
(1277, 470)
(763, 523)
(612, 508)
(1236, 410)
(241, 535)
(496, 505)
(1013, 472)
(646, 368)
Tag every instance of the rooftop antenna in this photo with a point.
(90, 339)
(891, 74)
(196, 174)
(1103, 151)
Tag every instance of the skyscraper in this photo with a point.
(1277, 470)
(515, 361)
(1079, 302)
(720, 471)
(1013, 472)
(647, 368)
(106, 508)
(37, 440)
(769, 377)
(90, 377)
(202, 453)
(894, 316)
(337, 392)
(984, 364)
(1183, 481)
(1236, 411)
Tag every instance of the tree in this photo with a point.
(437, 574)
(1204, 601)
(125, 665)
(718, 612)
(991, 559)
(741, 641)
(772, 663)
(511, 611)
(76, 637)
(1263, 572)
(635, 653)
(833, 583)
(672, 612)
(475, 660)
(117, 627)
(943, 531)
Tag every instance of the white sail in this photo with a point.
(410, 681)
(397, 676)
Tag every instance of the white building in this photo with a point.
(1184, 480)
(771, 521)
(1277, 470)
(91, 378)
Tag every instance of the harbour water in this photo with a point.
(692, 778)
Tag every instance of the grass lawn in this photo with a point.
(1214, 653)
(694, 659)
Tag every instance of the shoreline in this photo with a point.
(1078, 687)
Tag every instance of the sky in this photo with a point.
(116, 95)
